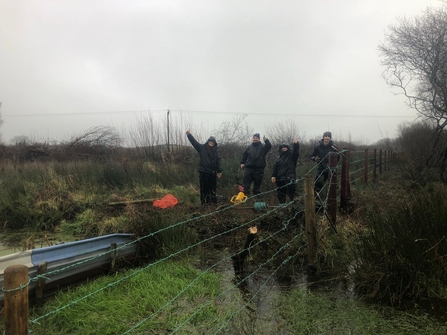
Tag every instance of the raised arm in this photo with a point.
(267, 145)
(296, 150)
(193, 141)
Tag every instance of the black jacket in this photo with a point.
(285, 163)
(323, 151)
(254, 155)
(209, 156)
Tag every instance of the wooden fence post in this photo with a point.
(332, 195)
(311, 229)
(380, 161)
(345, 191)
(40, 285)
(385, 161)
(375, 166)
(113, 256)
(16, 300)
(365, 175)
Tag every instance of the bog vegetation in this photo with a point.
(392, 247)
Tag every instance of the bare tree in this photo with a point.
(234, 131)
(146, 135)
(284, 132)
(20, 140)
(177, 130)
(415, 58)
(100, 140)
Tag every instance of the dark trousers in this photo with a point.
(208, 182)
(285, 188)
(320, 179)
(255, 176)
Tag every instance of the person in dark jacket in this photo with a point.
(284, 174)
(253, 161)
(209, 167)
(320, 155)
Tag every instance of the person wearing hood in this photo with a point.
(320, 155)
(253, 162)
(284, 174)
(209, 167)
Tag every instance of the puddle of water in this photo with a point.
(253, 296)
(257, 295)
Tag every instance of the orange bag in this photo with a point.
(167, 201)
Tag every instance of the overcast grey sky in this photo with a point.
(68, 65)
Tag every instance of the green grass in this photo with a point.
(313, 313)
(399, 251)
(146, 304)
(399, 240)
(120, 307)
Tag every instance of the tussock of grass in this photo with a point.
(120, 307)
(401, 249)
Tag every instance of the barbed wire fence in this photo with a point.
(364, 168)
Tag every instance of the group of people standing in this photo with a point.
(253, 162)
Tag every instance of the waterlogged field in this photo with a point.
(168, 298)
(182, 296)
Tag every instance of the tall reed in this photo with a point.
(401, 253)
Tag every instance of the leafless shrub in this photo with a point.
(285, 132)
(97, 141)
(387, 143)
(235, 131)
(414, 140)
(24, 149)
(145, 136)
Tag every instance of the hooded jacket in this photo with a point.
(323, 151)
(254, 155)
(285, 163)
(209, 159)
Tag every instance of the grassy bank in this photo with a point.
(399, 246)
(149, 302)
(120, 307)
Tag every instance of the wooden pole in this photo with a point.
(365, 176)
(113, 246)
(345, 192)
(385, 161)
(16, 300)
(40, 285)
(375, 166)
(242, 255)
(332, 195)
(123, 203)
(311, 227)
(168, 135)
(380, 161)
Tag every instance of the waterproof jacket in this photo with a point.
(285, 163)
(323, 151)
(209, 156)
(254, 155)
